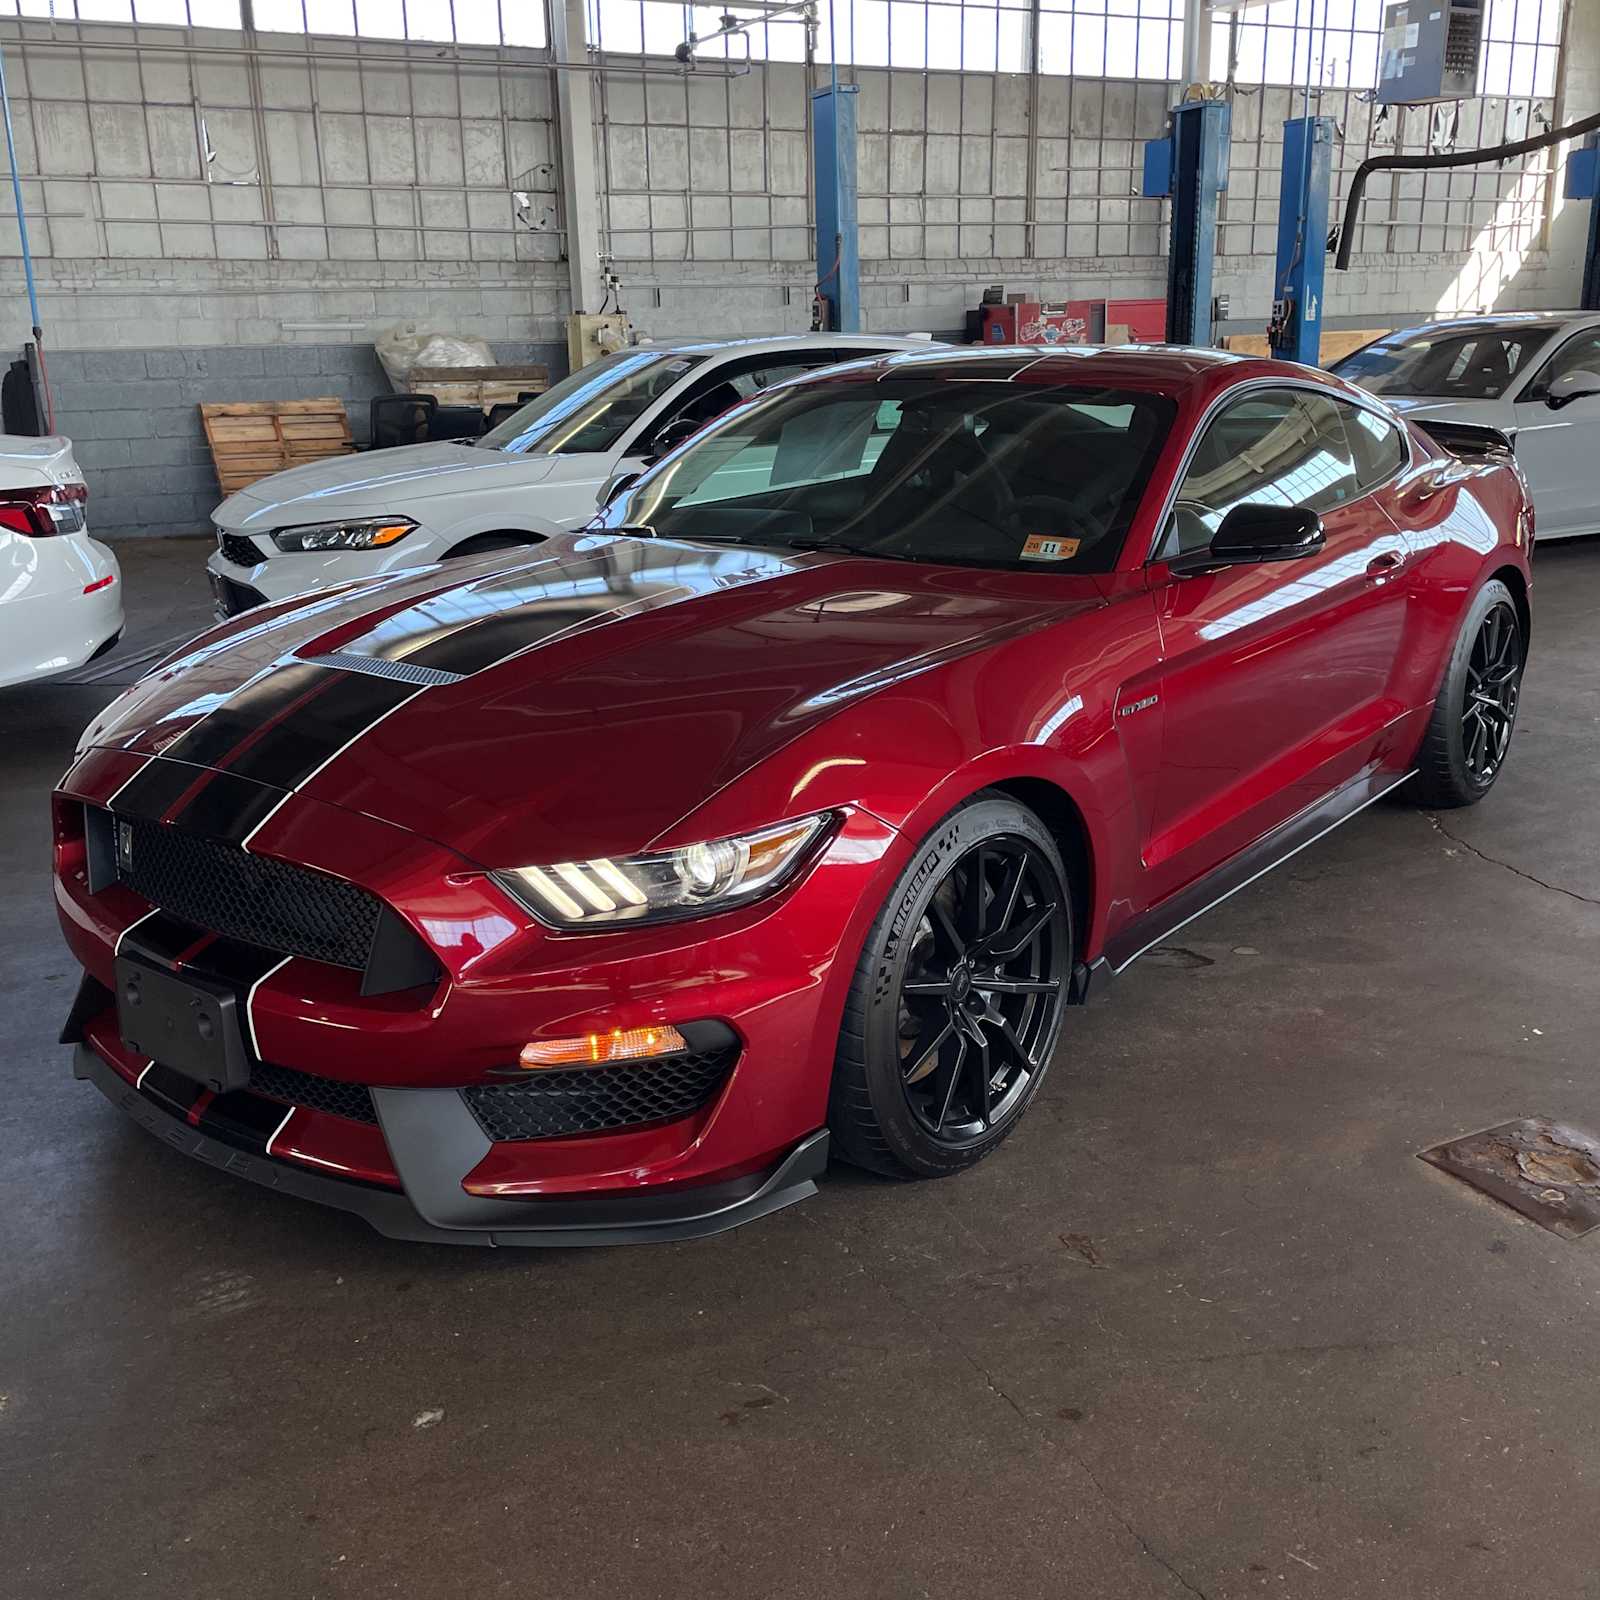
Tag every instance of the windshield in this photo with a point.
(961, 471)
(1458, 364)
(592, 409)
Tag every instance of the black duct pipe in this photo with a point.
(1464, 158)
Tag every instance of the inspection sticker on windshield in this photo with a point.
(1037, 548)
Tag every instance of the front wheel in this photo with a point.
(957, 1000)
(1469, 732)
(482, 543)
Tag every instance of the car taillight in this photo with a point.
(39, 513)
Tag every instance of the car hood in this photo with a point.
(573, 704)
(375, 482)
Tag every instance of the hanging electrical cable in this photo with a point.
(1461, 158)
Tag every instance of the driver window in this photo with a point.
(1576, 355)
(1281, 447)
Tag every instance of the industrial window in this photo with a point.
(479, 22)
(1334, 44)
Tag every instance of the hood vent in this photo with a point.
(377, 667)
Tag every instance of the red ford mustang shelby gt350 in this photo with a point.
(597, 891)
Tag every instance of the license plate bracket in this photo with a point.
(187, 1023)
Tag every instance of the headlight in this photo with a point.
(365, 533)
(690, 881)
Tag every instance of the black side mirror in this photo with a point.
(618, 485)
(676, 432)
(1257, 533)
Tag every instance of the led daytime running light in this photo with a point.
(693, 879)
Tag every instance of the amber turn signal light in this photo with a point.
(600, 1049)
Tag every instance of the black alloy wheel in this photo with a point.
(1464, 747)
(1494, 682)
(978, 999)
(958, 998)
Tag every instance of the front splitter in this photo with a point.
(644, 1218)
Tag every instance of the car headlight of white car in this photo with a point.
(360, 533)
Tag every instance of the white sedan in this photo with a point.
(1534, 376)
(60, 590)
(540, 471)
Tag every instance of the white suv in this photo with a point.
(539, 472)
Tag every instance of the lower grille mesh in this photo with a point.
(332, 1095)
(264, 902)
(241, 551)
(599, 1099)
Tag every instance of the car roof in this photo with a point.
(866, 342)
(1496, 322)
(1166, 368)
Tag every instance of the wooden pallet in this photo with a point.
(478, 386)
(1336, 342)
(252, 439)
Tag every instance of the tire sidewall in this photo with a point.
(1453, 693)
(888, 948)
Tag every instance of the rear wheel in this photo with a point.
(958, 997)
(1469, 733)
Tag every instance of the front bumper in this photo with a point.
(714, 1154)
(240, 586)
(435, 1142)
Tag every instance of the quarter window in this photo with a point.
(1277, 447)
(1380, 447)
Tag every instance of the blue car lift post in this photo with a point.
(1295, 332)
(836, 306)
(1583, 183)
(1190, 165)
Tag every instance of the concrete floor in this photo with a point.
(1206, 1326)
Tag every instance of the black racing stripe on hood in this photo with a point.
(484, 643)
(156, 788)
(228, 808)
(287, 753)
(467, 629)
(255, 705)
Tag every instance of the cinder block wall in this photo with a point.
(133, 416)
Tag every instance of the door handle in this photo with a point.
(1382, 566)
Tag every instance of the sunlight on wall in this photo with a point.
(1499, 248)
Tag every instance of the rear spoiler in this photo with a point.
(1472, 441)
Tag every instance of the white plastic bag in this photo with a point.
(406, 346)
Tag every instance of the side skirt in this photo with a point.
(1239, 872)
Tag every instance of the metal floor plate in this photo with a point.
(1549, 1171)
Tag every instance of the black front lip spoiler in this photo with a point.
(436, 1210)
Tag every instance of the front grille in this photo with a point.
(273, 904)
(235, 547)
(599, 1099)
(339, 1099)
